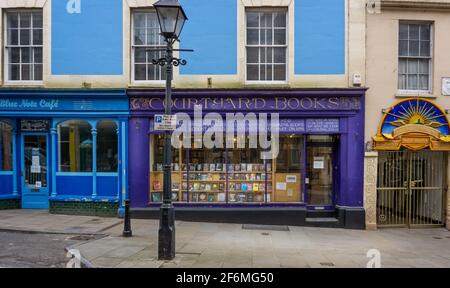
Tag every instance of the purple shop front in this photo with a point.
(314, 177)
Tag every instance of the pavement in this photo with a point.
(200, 245)
(35, 250)
(41, 221)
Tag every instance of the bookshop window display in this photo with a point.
(229, 176)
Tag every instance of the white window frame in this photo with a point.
(133, 80)
(268, 10)
(431, 59)
(6, 80)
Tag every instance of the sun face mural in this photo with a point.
(415, 124)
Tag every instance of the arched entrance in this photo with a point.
(413, 140)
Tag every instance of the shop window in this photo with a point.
(288, 171)
(205, 175)
(75, 146)
(247, 175)
(23, 49)
(415, 57)
(107, 146)
(6, 147)
(157, 173)
(266, 46)
(146, 36)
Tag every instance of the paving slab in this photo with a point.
(40, 221)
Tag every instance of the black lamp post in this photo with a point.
(171, 19)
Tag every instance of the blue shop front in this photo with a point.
(64, 150)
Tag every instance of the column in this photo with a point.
(94, 162)
(54, 168)
(138, 140)
(124, 165)
(14, 163)
(370, 189)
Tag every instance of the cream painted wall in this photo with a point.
(382, 61)
(355, 50)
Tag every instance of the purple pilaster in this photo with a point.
(139, 162)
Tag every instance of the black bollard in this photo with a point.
(127, 221)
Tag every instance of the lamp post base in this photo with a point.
(166, 233)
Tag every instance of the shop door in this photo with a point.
(410, 190)
(321, 169)
(35, 190)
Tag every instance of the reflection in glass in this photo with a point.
(6, 147)
(75, 146)
(107, 146)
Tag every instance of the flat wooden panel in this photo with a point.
(293, 190)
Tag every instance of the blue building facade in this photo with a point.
(62, 149)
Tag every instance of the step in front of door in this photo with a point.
(325, 222)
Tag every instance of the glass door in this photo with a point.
(34, 171)
(320, 166)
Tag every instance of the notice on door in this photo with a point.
(35, 161)
(319, 162)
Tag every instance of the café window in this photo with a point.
(6, 134)
(23, 48)
(107, 146)
(75, 146)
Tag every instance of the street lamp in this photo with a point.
(171, 19)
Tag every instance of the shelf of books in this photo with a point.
(217, 176)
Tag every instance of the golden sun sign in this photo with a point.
(415, 124)
(417, 114)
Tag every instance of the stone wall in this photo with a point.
(370, 189)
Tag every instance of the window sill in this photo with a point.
(277, 84)
(157, 84)
(37, 84)
(412, 94)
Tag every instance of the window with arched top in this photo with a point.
(6, 134)
(75, 146)
(107, 146)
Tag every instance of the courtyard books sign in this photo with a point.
(250, 104)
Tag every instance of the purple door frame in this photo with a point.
(347, 105)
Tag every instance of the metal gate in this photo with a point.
(410, 189)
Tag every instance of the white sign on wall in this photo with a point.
(446, 86)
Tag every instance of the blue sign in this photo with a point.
(49, 104)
